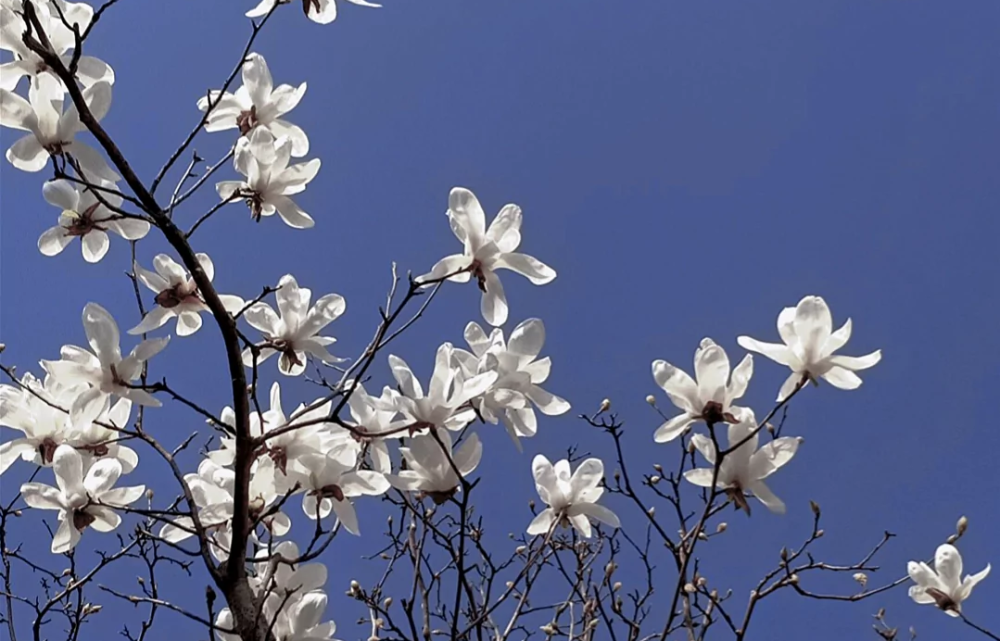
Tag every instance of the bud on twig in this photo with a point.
(861, 578)
(651, 511)
(721, 527)
(653, 480)
(605, 406)
(617, 586)
(689, 588)
(651, 400)
(387, 603)
(814, 506)
(961, 526)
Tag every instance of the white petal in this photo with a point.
(542, 522)
(680, 388)
(767, 497)
(528, 266)
(856, 363)
(672, 428)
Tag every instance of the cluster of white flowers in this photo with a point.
(71, 419)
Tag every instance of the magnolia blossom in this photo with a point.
(94, 439)
(53, 131)
(33, 410)
(374, 416)
(332, 480)
(213, 488)
(518, 376)
(276, 572)
(297, 619)
(319, 11)
(572, 498)
(487, 250)
(445, 402)
(258, 103)
(294, 333)
(289, 449)
(943, 586)
(710, 398)
(270, 180)
(744, 469)
(84, 216)
(82, 500)
(89, 70)
(809, 346)
(432, 468)
(177, 295)
(104, 370)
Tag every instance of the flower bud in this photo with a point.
(531, 504)
(784, 554)
(384, 556)
(690, 447)
(794, 578)
(658, 468)
(617, 586)
(387, 603)
(149, 494)
(770, 428)
(609, 569)
(618, 475)
(651, 400)
(814, 506)
(520, 549)
(702, 536)
(819, 534)
(880, 614)
(721, 527)
(651, 511)
(861, 578)
(702, 581)
(689, 588)
(653, 480)
(962, 526)
(605, 406)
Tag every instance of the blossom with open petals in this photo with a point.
(293, 334)
(82, 500)
(52, 131)
(944, 585)
(710, 398)
(809, 346)
(431, 465)
(444, 405)
(332, 480)
(177, 295)
(89, 70)
(571, 497)
(104, 370)
(33, 408)
(258, 103)
(744, 469)
(83, 215)
(487, 250)
(270, 180)
(298, 618)
(319, 11)
(516, 391)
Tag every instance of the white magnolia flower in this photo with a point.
(319, 11)
(370, 416)
(519, 375)
(294, 333)
(289, 449)
(445, 404)
(89, 70)
(277, 573)
(82, 501)
(177, 295)
(297, 619)
(809, 346)
(44, 426)
(104, 370)
(431, 465)
(487, 250)
(95, 441)
(572, 498)
(84, 216)
(332, 480)
(710, 398)
(53, 131)
(270, 180)
(258, 103)
(213, 488)
(745, 469)
(944, 587)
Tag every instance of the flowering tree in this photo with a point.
(89, 417)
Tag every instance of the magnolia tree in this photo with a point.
(85, 420)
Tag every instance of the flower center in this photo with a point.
(83, 222)
(247, 120)
(477, 270)
(255, 202)
(329, 492)
(177, 295)
(47, 450)
(81, 519)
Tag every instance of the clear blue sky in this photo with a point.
(688, 168)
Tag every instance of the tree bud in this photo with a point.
(861, 578)
(617, 586)
(387, 603)
(702, 582)
(721, 527)
(814, 506)
(651, 400)
(605, 406)
(651, 511)
(520, 549)
(689, 588)
(653, 480)
(962, 526)
(658, 468)
(149, 494)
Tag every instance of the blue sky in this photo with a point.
(687, 168)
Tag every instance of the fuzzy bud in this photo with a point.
(819, 534)
(658, 468)
(387, 603)
(784, 554)
(605, 406)
(651, 511)
(794, 578)
(617, 586)
(814, 506)
(651, 400)
(689, 588)
(520, 549)
(653, 480)
(702, 582)
(962, 526)
(609, 569)
(149, 494)
(721, 527)
(861, 578)
(702, 536)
